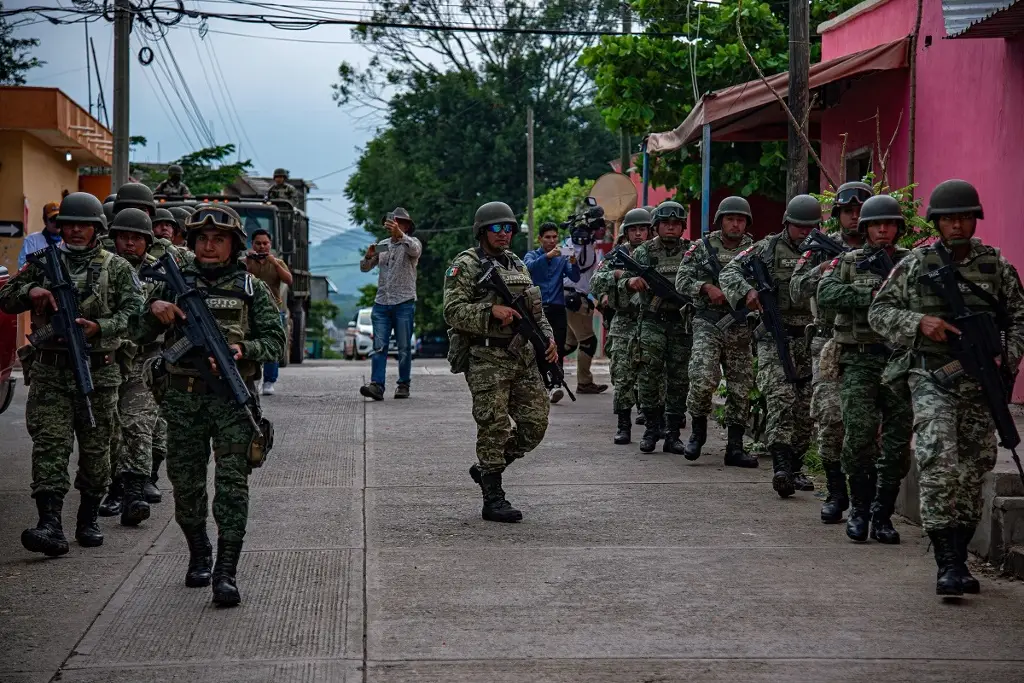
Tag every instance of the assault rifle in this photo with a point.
(202, 340)
(879, 263)
(527, 327)
(976, 348)
(715, 268)
(819, 242)
(62, 323)
(659, 286)
(767, 293)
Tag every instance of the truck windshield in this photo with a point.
(258, 218)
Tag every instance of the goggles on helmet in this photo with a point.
(506, 228)
(851, 195)
(669, 213)
(212, 216)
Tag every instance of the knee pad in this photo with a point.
(589, 346)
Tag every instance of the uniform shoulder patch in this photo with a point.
(452, 271)
(832, 265)
(745, 252)
(804, 258)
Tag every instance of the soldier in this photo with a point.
(788, 430)
(172, 186)
(847, 287)
(164, 224)
(715, 349)
(662, 341)
(503, 380)
(109, 294)
(197, 412)
(281, 189)
(955, 443)
(132, 461)
(826, 408)
(610, 286)
(181, 215)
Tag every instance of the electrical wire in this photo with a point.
(182, 133)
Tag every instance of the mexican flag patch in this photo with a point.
(452, 271)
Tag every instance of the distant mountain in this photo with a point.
(338, 258)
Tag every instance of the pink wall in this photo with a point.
(767, 214)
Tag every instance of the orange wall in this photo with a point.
(96, 185)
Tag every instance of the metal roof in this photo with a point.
(983, 18)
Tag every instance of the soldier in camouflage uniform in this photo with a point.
(281, 189)
(955, 441)
(196, 412)
(826, 408)
(181, 215)
(109, 294)
(173, 186)
(720, 342)
(609, 286)
(164, 226)
(788, 431)
(662, 342)
(847, 287)
(501, 372)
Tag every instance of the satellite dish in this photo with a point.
(616, 194)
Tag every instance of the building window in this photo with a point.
(858, 164)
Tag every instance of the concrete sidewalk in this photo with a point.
(367, 560)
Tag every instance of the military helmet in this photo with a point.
(851, 193)
(110, 198)
(181, 215)
(217, 216)
(636, 217)
(82, 207)
(175, 170)
(668, 211)
(649, 209)
(734, 206)
(164, 216)
(493, 213)
(401, 214)
(803, 209)
(135, 195)
(280, 172)
(881, 207)
(133, 220)
(954, 196)
(108, 211)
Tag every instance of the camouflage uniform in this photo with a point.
(283, 191)
(181, 255)
(623, 328)
(172, 188)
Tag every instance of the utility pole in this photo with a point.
(122, 34)
(799, 95)
(627, 28)
(529, 179)
(88, 66)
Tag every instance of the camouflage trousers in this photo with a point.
(506, 386)
(624, 375)
(867, 403)
(55, 419)
(159, 441)
(663, 377)
(955, 445)
(788, 404)
(137, 413)
(192, 421)
(716, 352)
(826, 409)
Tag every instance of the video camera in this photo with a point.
(587, 225)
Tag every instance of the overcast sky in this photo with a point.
(279, 87)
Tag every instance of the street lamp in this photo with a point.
(67, 156)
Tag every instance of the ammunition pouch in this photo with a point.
(458, 351)
(261, 444)
(155, 376)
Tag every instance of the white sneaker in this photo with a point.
(556, 395)
(268, 388)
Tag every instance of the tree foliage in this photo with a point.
(15, 60)
(558, 203)
(917, 228)
(205, 172)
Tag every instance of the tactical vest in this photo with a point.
(93, 286)
(785, 257)
(517, 278)
(666, 264)
(826, 317)
(229, 300)
(983, 270)
(851, 326)
(161, 246)
(724, 256)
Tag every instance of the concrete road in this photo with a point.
(367, 560)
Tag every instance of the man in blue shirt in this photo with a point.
(35, 241)
(548, 267)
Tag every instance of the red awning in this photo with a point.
(749, 111)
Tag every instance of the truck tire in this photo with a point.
(298, 336)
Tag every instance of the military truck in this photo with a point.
(289, 231)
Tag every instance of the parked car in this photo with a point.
(433, 344)
(8, 350)
(358, 341)
(393, 345)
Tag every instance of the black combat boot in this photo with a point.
(673, 444)
(735, 456)
(225, 591)
(200, 558)
(87, 531)
(496, 508)
(48, 535)
(698, 437)
(782, 481)
(624, 432)
(882, 509)
(838, 501)
(134, 508)
(641, 419)
(801, 482)
(150, 491)
(964, 534)
(111, 506)
(652, 430)
(861, 494)
(944, 543)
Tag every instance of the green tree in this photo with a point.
(316, 326)
(205, 171)
(15, 60)
(367, 295)
(558, 203)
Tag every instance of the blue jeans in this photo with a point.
(385, 319)
(270, 369)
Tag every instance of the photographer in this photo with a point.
(549, 265)
(273, 271)
(584, 229)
